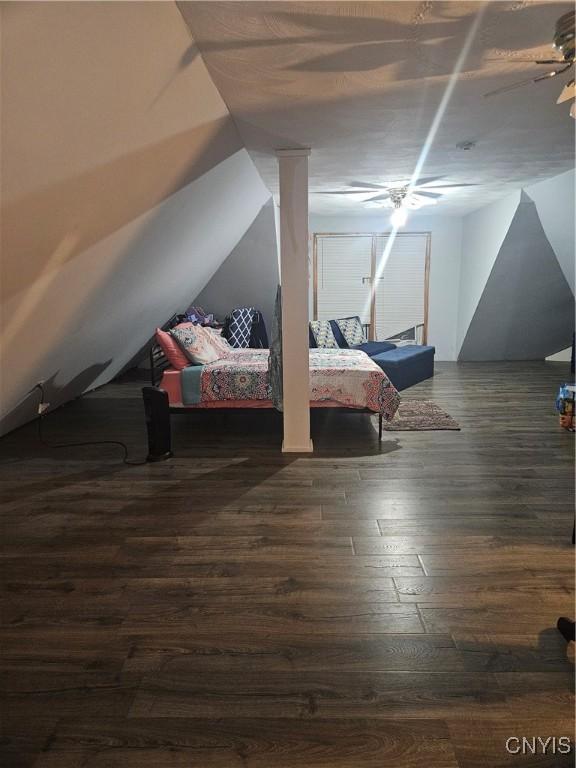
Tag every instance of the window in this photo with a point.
(382, 279)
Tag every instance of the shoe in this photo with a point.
(566, 628)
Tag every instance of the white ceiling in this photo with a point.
(360, 83)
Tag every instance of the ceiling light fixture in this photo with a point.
(399, 214)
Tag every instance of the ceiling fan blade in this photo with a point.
(345, 192)
(366, 185)
(430, 180)
(554, 73)
(375, 199)
(511, 87)
(547, 76)
(567, 93)
(399, 183)
(431, 195)
(449, 186)
(420, 201)
(527, 61)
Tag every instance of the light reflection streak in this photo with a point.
(435, 125)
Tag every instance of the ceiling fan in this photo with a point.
(563, 42)
(396, 194)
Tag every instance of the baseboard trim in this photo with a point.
(309, 448)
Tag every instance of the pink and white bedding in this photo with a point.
(338, 378)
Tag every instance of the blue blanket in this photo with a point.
(190, 384)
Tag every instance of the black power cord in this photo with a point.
(41, 410)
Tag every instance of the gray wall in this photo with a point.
(249, 276)
(526, 311)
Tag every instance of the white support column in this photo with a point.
(293, 171)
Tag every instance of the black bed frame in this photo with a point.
(158, 410)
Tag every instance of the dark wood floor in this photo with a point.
(234, 607)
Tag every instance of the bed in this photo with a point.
(341, 379)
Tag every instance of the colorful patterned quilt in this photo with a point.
(241, 376)
(350, 377)
(345, 376)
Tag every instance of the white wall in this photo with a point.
(120, 179)
(446, 240)
(555, 204)
(249, 275)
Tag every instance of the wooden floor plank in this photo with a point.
(284, 618)
(479, 591)
(174, 650)
(516, 619)
(335, 694)
(261, 743)
(501, 652)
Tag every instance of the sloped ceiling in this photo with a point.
(360, 83)
(125, 185)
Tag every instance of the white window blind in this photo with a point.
(343, 276)
(400, 283)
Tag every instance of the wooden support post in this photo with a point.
(293, 177)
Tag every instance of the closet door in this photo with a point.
(400, 285)
(343, 270)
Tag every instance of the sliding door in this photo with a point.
(382, 279)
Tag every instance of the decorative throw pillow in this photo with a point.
(323, 335)
(240, 327)
(172, 351)
(219, 343)
(352, 330)
(196, 343)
